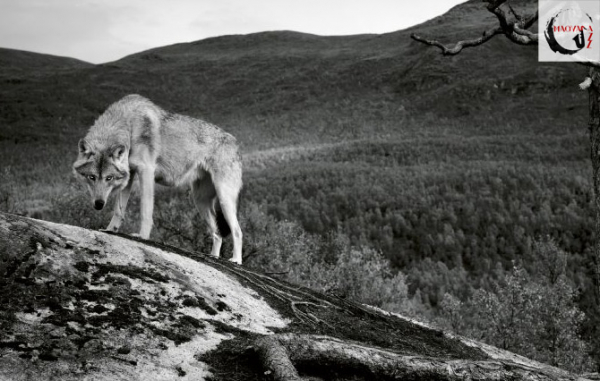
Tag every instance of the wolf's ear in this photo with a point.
(118, 152)
(84, 148)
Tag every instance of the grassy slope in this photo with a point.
(28, 62)
(280, 87)
(455, 120)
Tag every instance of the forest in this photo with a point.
(447, 230)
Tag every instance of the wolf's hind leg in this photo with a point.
(228, 196)
(120, 206)
(204, 195)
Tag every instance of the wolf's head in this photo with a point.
(103, 169)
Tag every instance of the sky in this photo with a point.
(100, 31)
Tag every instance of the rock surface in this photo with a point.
(78, 304)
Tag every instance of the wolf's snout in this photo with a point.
(98, 204)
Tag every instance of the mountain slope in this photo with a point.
(29, 62)
(286, 87)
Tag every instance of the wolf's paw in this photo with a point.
(140, 236)
(110, 230)
(236, 260)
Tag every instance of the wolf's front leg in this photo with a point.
(146, 175)
(120, 206)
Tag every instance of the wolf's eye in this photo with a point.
(109, 178)
(92, 177)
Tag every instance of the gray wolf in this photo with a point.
(135, 137)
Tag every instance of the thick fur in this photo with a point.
(136, 138)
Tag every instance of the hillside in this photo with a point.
(20, 61)
(330, 87)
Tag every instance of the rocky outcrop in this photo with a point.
(78, 304)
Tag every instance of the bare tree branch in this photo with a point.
(515, 28)
(531, 20)
(501, 16)
(459, 46)
(523, 37)
(526, 33)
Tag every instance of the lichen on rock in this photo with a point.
(76, 303)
